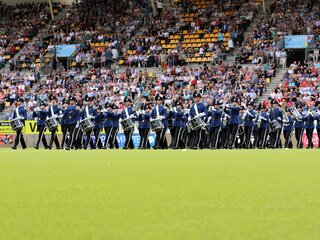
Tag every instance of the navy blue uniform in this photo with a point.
(215, 117)
(70, 115)
(144, 129)
(159, 111)
(41, 116)
(233, 125)
(108, 116)
(298, 130)
(263, 129)
(115, 130)
(125, 114)
(54, 111)
(91, 113)
(249, 117)
(275, 114)
(21, 113)
(287, 131)
(178, 124)
(309, 126)
(98, 125)
(197, 136)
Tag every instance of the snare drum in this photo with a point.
(52, 124)
(274, 125)
(156, 125)
(197, 123)
(127, 124)
(16, 124)
(86, 125)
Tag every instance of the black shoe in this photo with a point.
(67, 148)
(24, 147)
(36, 148)
(58, 148)
(125, 148)
(104, 148)
(48, 147)
(14, 148)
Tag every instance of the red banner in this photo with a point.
(315, 140)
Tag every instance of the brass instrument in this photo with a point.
(296, 114)
(285, 116)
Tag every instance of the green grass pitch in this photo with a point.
(117, 194)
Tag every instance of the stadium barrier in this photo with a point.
(31, 135)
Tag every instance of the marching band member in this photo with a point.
(248, 124)
(233, 123)
(240, 141)
(263, 127)
(89, 112)
(53, 111)
(63, 120)
(287, 128)
(298, 127)
(255, 132)
(177, 125)
(126, 113)
(115, 127)
(215, 116)
(159, 112)
(41, 115)
(78, 131)
(275, 114)
(198, 109)
(108, 115)
(309, 126)
(185, 136)
(144, 126)
(19, 113)
(98, 125)
(71, 121)
(224, 128)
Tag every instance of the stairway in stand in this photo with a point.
(273, 84)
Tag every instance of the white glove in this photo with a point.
(21, 118)
(77, 125)
(132, 116)
(279, 118)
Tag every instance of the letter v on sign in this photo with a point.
(33, 126)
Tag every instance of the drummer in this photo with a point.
(53, 111)
(98, 126)
(127, 113)
(198, 109)
(275, 115)
(89, 112)
(159, 112)
(144, 126)
(41, 115)
(19, 113)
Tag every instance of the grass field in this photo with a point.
(237, 194)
